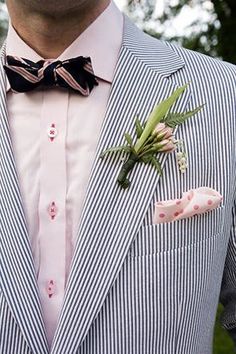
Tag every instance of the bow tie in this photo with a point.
(76, 74)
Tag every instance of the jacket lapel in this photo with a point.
(18, 279)
(111, 216)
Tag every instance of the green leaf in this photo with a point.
(123, 148)
(147, 158)
(128, 139)
(151, 149)
(174, 119)
(158, 113)
(155, 162)
(139, 128)
(150, 158)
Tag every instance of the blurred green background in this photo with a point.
(222, 342)
(207, 26)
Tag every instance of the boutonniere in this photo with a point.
(153, 137)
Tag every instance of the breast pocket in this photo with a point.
(155, 238)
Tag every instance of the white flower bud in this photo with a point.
(179, 155)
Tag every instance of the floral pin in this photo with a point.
(153, 137)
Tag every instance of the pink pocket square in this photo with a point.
(194, 201)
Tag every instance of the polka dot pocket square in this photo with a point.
(193, 202)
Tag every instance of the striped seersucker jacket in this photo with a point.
(135, 287)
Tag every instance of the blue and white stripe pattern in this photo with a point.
(134, 287)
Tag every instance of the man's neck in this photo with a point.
(50, 36)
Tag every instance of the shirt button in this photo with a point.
(52, 132)
(52, 210)
(50, 288)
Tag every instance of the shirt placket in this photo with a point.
(52, 199)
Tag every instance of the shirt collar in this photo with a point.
(101, 41)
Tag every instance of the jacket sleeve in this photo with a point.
(228, 288)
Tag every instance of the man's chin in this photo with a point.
(56, 8)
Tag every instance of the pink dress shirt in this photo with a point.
(54, 134)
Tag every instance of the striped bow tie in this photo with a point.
(76, 74)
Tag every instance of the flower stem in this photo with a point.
(126, 168)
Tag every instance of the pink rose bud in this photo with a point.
(166, 133)
(159, 128)
(168, 145)
(160, 145)
(162, 131)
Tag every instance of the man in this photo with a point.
(84, 268)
